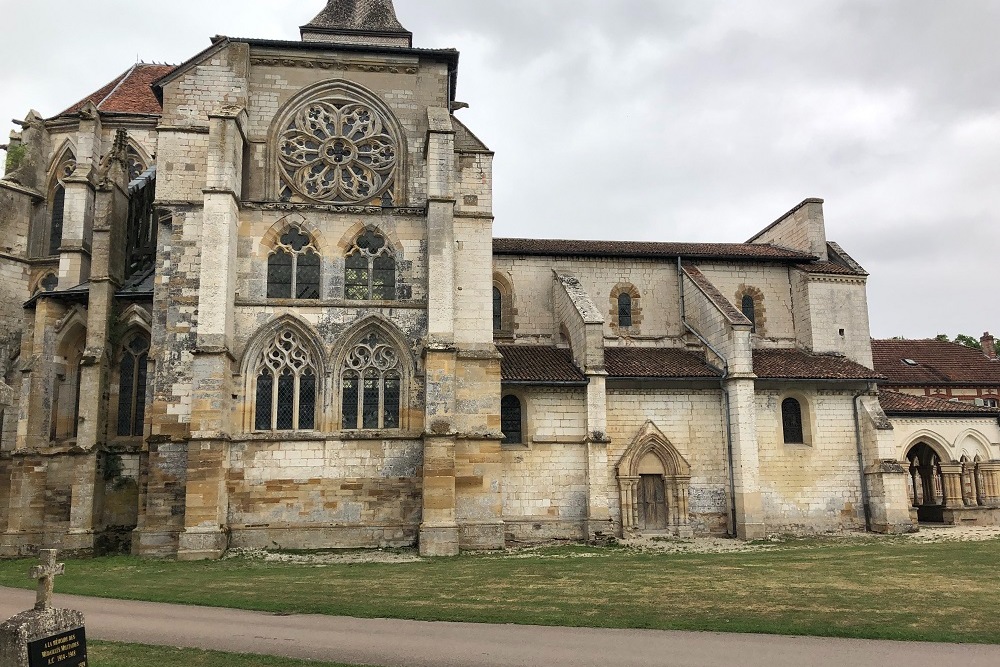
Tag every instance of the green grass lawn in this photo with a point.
(873, 588)
(106, 654)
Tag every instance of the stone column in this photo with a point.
(952, 482)
(37, 381)
(78, 211)
(598, 483)
(439, 534)
(205, 516)
(746, 459)
(991, 483)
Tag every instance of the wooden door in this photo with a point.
(652, 503)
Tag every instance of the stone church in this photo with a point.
(254, 300)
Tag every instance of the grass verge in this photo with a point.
(107, 654)
(879, 589)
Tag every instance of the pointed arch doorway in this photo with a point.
(653, 484)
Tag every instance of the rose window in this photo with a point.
(339, 152)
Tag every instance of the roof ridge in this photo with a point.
(121, 81)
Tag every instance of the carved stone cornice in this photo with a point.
(334, 208)
(341, 65)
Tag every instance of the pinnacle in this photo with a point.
(361, 15)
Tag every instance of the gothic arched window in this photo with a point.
(56, 227)
(132, 386)
(370, 269)
(293, 268)
(791, 422)
(371, 382)
(749, 310)
(134, 163)
(510, 420)
(497, 309)
(624, 309)
(286, 386)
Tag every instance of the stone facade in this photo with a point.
(281, 335)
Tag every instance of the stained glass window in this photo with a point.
(370, 269)
(286, 386)
(293, 269)
(510, 420)
(132, 386)
(371, 386)
(791, 421)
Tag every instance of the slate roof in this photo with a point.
(798, 365)
(644, 362)
(362, 15)
(129, 93)
(647, 250)
(539, 364)
(938, 363)
(895, 403)
(830, 268)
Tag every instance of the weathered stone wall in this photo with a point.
(803, 228)
(775, 322)
(813, 486)
(693, 422)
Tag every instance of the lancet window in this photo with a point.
(791, 421)
(370, 269)
(624, 309)
(286, 386)
(134, 163)
(140, 241)
(749, 310)
(293, 268)
(497, 309)
(57, 204)
(132, 386)
(371, 382)
(511, 420)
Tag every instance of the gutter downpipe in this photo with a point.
(725, 396)
(865, 498)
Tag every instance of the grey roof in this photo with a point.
(362, 15)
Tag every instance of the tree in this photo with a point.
(961, 339)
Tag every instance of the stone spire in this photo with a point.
(371, 22)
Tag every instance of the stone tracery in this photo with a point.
(338, 151)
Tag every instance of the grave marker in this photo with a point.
(44, 636)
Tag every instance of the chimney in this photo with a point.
(989, 345)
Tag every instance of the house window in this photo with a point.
(132, 386)
(286, 386)
(293, 269)
(370, 269)
(56, 228)
(791, 421)
(624, 310)
(371, 386)
(510, 420)
(750, 311)
(497, 309)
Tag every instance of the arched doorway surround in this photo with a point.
(653, 484)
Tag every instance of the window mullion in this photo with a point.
(295, 271)
(381, 400)
(295, 402)
(274, 400)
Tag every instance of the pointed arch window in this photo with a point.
(791, 422)
(293, 268)
(132, 368)
(134, 163)
(749, 310)
(624, 309)
(57, 203)
(285, 395)
(371, 386)
(497, 309)
(370, 269)
(511, 420)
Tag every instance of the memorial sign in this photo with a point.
(44, 636)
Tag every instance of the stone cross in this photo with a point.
(46, 574)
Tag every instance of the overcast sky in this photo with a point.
(672, 120)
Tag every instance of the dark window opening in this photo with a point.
(624, 310)
(370, 270)
(371, 387)
(497, 309)
(286, 392)
(749, 310)
(56, 229)
(132, 387)
(510, 420)
(294, 268)
(791, 421)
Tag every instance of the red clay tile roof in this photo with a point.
(659, 362)
(938, 363)
(538, 363)
(646, 250)
(799, 365)
(895, 403)
(731, 312)
(130, 92)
